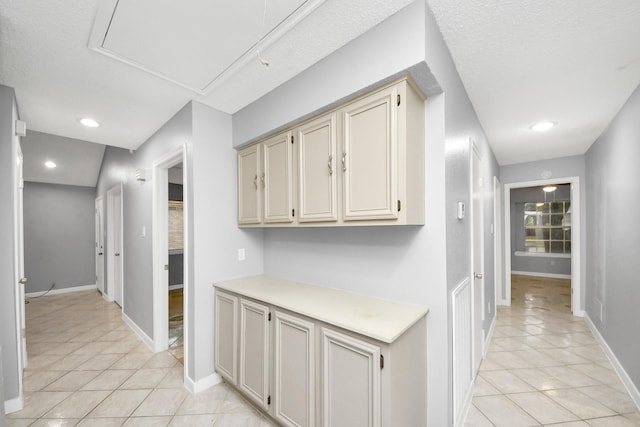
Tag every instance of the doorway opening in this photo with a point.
(176, 262)
(170, 312)
(542, 244)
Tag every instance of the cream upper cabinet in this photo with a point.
(277, 178)
(317, 176)
(361, 163)
(254, 352)
(369, 157)
(249, 191)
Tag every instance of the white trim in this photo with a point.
(576, 237)
(203, 384)
(497, 245)
(61, 291)
(141, 334)
(489, 336)
(100, 243)
(624, 377)
(541, 254)
(477, 358)
(13, 405)
(538, 274)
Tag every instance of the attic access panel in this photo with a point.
(191, 42)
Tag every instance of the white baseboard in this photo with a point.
(13, 405)
(488, 336)
(61, 291)
(624, 377)
(203, 384)
(503, 302)
(144, 337)
(536, 274)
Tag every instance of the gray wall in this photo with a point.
(563, 167)
(59, 228)
(399, 263)
(212, 234)
(613, 184)
(532, 264)
(8, 186)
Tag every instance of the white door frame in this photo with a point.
(497, 241)
(99, 247)
(575, 236)
(160, 221)
(478, 353)
(111, 242)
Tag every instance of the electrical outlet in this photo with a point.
(241, 254)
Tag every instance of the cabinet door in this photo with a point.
(277, 179)
(294, 371)
(350, 381)
(249, 175)
(254, 351)
(318, 170)
(369, 157)
(226, 336)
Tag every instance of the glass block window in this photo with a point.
(547, 227)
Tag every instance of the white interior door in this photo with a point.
(117, 247)
(21, 281)
(100, 244)
(477, 259)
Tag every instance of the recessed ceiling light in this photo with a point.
(542, 126)
(90, 123)
(50, 164)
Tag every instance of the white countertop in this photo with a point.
(379, 319)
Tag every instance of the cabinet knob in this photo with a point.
(344, 162)
(329, 164)
(255, 181)
(262, 179)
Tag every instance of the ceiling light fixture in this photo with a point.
(90, 123)
(50, 164)
(542, 126)
(549, 188)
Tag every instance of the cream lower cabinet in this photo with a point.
(306, 372)
(254, 352)
(350, 381)
(294, 371)
(226, 338)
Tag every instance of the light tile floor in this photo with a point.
(544, 367)
(87, 368)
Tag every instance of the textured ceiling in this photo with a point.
(78, 162)
(574, 62)
(58, 78)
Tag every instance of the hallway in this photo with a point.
(544, 366)
(87, 368)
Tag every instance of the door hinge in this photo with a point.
(292, 139)
(398, 100)
(269, 400)
(269, 317)
(381, 362)
(293, 212)
(399, 205)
